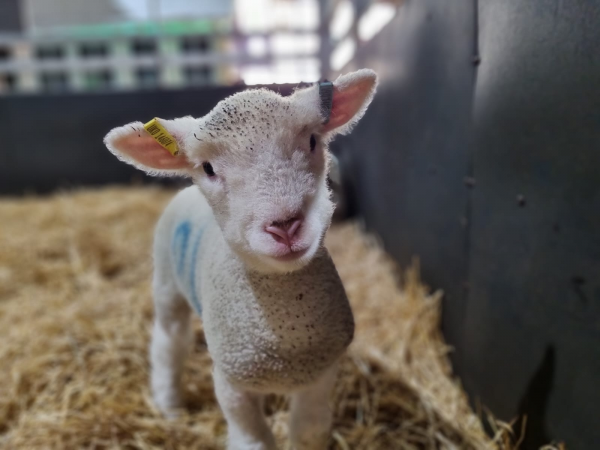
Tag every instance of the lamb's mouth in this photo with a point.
(292, 255)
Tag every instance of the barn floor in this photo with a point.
(75, 315)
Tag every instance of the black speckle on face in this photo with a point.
(313, 142)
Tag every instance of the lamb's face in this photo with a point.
(261, 163)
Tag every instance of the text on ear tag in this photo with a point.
(162, 136)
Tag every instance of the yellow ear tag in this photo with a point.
(162, 136)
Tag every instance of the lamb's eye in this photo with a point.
(313, 142)
(208, 169)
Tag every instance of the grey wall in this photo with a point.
(535, 270)
(522, 284)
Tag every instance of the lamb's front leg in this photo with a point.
(311, 415)
(247, 429)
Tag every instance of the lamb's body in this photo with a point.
(244, 249)
(265, 332)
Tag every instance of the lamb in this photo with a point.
(243, 248)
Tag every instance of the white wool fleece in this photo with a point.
(243, 247)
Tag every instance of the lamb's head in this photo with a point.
(261, 161)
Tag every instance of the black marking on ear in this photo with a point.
(198, 138)
(326, 96)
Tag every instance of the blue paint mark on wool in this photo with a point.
(179, 247)
(180, 244)
(193, 288)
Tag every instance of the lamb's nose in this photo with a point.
(284, 230)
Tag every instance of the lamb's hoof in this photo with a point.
(172, 414)
(170, 406)
(315, 442)
(253, 446)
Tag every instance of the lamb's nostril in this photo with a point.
(279, 234)
(284, 230)
(293, 227)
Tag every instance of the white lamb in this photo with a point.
(243, 247)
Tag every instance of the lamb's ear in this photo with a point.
(352, 94)
(132, 144)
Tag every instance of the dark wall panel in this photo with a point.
(57, 140)
(532, 339)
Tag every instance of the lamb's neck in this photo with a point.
(305, 293)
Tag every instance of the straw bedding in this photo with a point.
(75, 315)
